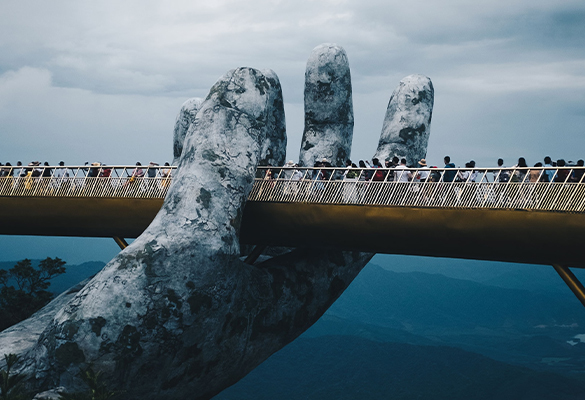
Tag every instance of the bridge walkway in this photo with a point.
(508, 214)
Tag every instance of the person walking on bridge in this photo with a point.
(401, 174)
(449, 176)
(548, 173)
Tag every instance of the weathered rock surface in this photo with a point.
(328, 107)
(20, 338)
(177, 314)
(274, 147)
(407, 124)
(184, 120)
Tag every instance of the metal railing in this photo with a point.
(86, 181)
(534, 188)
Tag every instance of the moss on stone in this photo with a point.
(97, 324)
(204, 198)
(198, 300)
(69, 353)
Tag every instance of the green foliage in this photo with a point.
(23, 289)
(97, 389)
(10, 388)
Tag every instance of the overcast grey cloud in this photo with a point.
(104, 80)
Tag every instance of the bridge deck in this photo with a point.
(529, 222)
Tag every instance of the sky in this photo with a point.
(104, 80)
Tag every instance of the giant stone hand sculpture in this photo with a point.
(178, 314)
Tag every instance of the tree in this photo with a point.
(10, 388)
(23, 289)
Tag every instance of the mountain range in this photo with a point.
(411, 327)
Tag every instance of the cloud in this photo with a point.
(103, 81)
(39, 121)
(145, 57)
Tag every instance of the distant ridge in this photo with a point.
(348, 367)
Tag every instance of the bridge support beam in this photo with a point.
(253, 256)
(571, 281)
(121, 242)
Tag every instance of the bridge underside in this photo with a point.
(501, 235)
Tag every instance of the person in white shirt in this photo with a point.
(400, 175)
(60, 176)
(61, 172)
(423, 175)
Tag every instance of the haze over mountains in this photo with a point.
(411, 327)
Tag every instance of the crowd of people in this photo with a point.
(397, 170)
(394, 169)
(94, 170)
(32, 175)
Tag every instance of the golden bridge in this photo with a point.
(499, 214)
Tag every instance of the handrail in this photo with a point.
(494, 188)
(491, 188)
(128, 181)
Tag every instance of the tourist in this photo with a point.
(151, 169)
(136, 175)
(317, 173)
(37, 169)
(473, 173)
(501, 175)
(466, 174)
(105, 171)
(377, 175)
(61, 172)
(578, 172)
(548, 173)
(400, 173)
(47, 172)
(519, 174)
(536, 175)
(326, 174)
(362, 173)
(563, 174)
(17, 169)
(94, 171)
(138, 172)
(151, 172)
(449, 176)
(286, 174)
(165, 174)
(7, 170)
(351, 174)
(423, 174)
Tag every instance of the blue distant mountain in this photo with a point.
(350, 367)
(435, 304)
(418, 335)
(536, 278)
(75, 274)
(413, 334)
